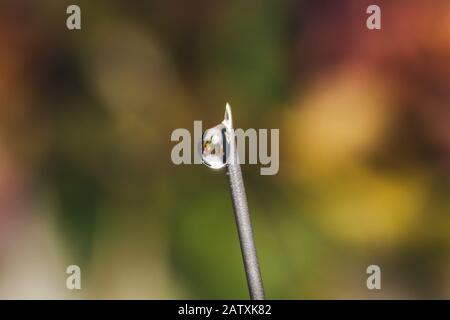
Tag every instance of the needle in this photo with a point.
(242, 215)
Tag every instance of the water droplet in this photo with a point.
(215, 147)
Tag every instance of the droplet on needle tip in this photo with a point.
(216, 142)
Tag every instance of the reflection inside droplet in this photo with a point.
(215, 147)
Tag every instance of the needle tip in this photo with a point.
(228, 118)
(227, 110)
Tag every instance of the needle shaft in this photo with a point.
(244, 228)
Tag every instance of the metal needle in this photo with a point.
(242, 215)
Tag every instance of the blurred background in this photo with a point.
(86, 176)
